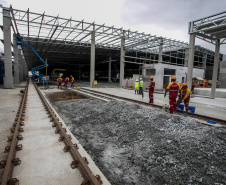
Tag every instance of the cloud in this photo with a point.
(169, 14)
(169, 18)
(4, 3)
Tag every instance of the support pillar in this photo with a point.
(215, 69)
(109, 69)
(160, 53)
(186, 57)
(122, 59)
(24, 69)
(8, 78)
(20, 65)
(92, 59)
(16, 61)
(191, 60)
(79, 73)
(204, 59)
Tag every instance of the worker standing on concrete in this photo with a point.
(72, 81)
(185, 95)
(136, 86)
(59, 80)
(205, 83)
(65, 82)
(151, 90)
(141, 87)
(173, 88)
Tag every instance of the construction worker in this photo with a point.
(72, 81)
(205, 83)
(217, 84)
(185, 95)
(136, 87)
(151, 90)
(65, 82)
(173, 88)
(59, 80)
(141, 87)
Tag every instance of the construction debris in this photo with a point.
(132, 144)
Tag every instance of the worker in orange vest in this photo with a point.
(151, 90)
(185, 95)
(205, 83)
(59, 80)
(72, 81)
(172, 88)
(65, 82)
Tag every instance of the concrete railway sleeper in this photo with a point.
(78, 161)
(198, 116)
(12, 161)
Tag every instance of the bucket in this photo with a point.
(181, 107)
(191, 109)
(165, 108)
(211, 122)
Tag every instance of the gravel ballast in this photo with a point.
(133, 144)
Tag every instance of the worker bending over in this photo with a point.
(185, 95)
(151, 90)
(66, 80)
(72, 81)
(136, 87)
(59, 80)
(172, 88)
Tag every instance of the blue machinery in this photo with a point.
(19, 41)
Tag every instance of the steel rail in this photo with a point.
(11, 160)
(198, 116)
(79, 161)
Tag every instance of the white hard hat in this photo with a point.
(136, 80)
(140, 78)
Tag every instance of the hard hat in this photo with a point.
(140, 78)
(173, 78)
(136, 80)
(184, 85)
(151, 77)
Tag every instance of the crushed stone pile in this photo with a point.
(133, 144)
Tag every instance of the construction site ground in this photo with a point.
(134, 144)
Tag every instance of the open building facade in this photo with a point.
(92, 51)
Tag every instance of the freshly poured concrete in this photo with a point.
(43, 158)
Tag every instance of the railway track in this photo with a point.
(11, 160)
(78, 161)
(179, 112)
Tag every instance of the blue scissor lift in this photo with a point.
(19, 41)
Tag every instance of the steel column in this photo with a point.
(16, 61)
(92, 59)
(109, 69)
(191, 59)
(215, 69)
(8, 78)
(122, 59)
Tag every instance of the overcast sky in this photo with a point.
(166, 18)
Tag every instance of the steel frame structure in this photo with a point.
(211, 28)
(67, 41)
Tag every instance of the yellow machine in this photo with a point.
(56, 73)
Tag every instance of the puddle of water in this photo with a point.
(66, 95)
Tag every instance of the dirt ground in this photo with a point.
(132, 144)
